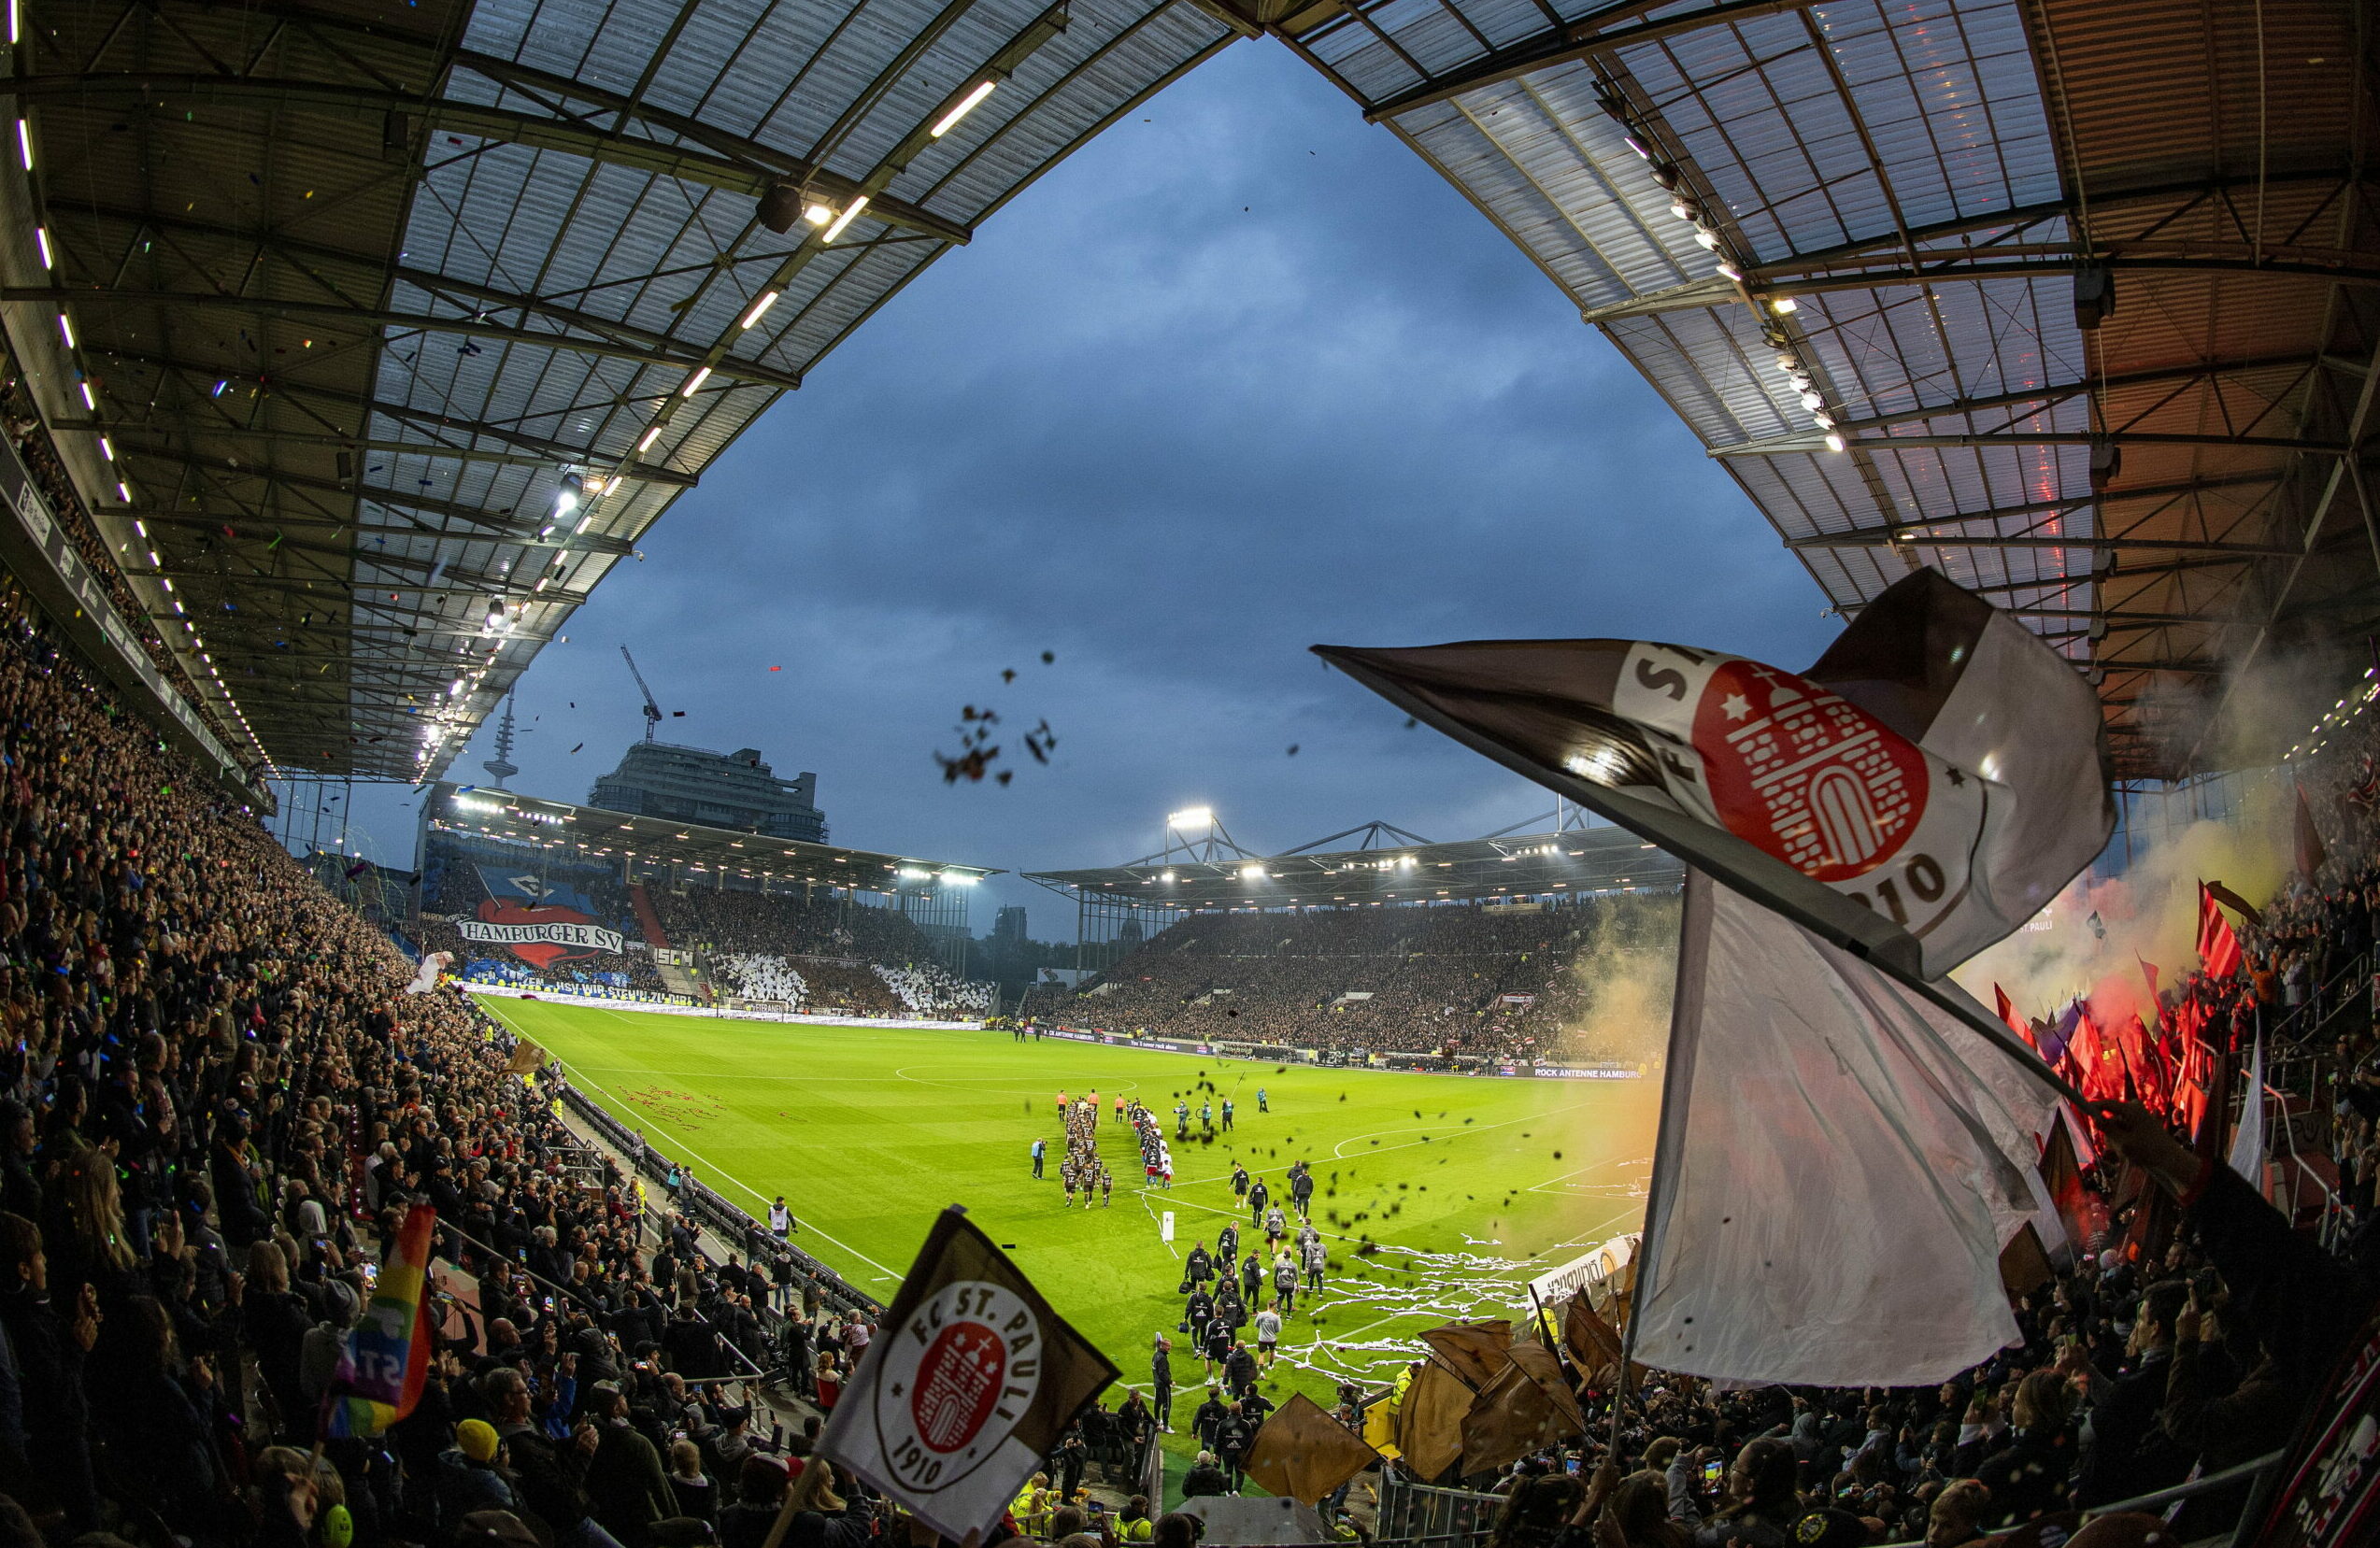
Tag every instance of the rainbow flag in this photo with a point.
(387, 1353)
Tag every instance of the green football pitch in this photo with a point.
(1439, 1196)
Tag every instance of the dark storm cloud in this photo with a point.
(1234, 380)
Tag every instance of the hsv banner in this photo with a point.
(551, 932)
(969, 1387)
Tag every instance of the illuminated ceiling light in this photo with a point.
(41, 238)
(1834, 441)
(16, 21)
(88, 401)
(66, 330)
(1251, 873)
(966, 105)
(1707, 239)
(1732, 272)
(106, 448)
(694, 383)
(650, 436)
(1825, 421)
(768, 298)
(1785, 305)
(851, 213)
(818, 214)
(25, 143)
(126, 491)
(1812, 402)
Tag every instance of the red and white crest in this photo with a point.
(958, 1376)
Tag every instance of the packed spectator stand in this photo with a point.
(220, 1101)
(1450, 978)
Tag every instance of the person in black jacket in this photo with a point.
(1198, 1268)
(2127, 1452)
(1204, 1478)
(1160, 1376)
(49, 1350)
(1210, 1414)
(1233, 1438)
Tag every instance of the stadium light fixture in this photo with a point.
(106, 448)
(88, 401)
(967, 103)
(1191, 818)
(1834, 441)
(24, 142)
(1251, 873)
(41, 237)
(768, 298)
(851, 213)
(1785, 305)
(650, 436)
(66, 330)
(694, 383)
(1166, 876)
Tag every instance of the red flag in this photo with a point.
(2309, 838)
(2148, 971)
(2007, 1009)
(2232, 901)
(2217, 947)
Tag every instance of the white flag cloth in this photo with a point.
(1839, 1163)
(2247, 1145)
(426, 978)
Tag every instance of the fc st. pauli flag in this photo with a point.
(969, 1385)
(1923, 789)
(387, 1353)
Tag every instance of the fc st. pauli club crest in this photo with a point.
(957, 1378)
(1809, 777)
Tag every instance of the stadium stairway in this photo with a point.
(678, 979)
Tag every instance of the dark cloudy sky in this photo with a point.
(1241, 376)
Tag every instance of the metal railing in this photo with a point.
(1413, 1513)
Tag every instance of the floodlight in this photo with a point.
(1251, 873)
(851, 213)
(966, 105)
(1190, 817)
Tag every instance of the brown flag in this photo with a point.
(1595, 1347)
(1303, 1453)
(967, 1387)
(1430, 1420)
(1527, 1406)
(1476, 1349)
(526, 1056)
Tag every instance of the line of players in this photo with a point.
(1286, 1263)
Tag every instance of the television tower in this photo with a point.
(501, 767)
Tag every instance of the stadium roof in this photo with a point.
(2084, 290)
(355, 287)
(1518, 865)
(592, 830)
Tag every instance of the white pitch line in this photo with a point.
(716, 1171)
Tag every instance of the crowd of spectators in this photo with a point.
(41, 463)
(217, 1101)
(730, 919)
(1450, 979)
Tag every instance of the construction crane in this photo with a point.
(652, 711)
